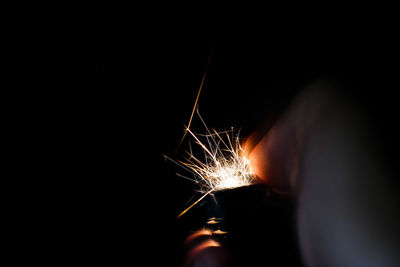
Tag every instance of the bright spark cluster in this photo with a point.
(222, 163)
(223, 166)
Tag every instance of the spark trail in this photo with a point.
(220, 163)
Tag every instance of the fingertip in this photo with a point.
(267, 161)
(258, 161)
(205, 251)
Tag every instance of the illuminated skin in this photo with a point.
(204, 251)
(322, 152)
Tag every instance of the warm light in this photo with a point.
(234, 174)
(221, 164)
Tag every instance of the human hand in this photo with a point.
(322, 152)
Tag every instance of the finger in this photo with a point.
(272, 158)
(204, 251)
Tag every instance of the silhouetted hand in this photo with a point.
(323, 151)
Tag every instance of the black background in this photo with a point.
(131, 93)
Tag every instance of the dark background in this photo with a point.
(135, 92)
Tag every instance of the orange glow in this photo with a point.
(199, 242)
(258, 161)
(196, 235)
(208, 244)
(270, 160)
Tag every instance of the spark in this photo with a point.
(198, 96)
(220, 163)
(223, 164)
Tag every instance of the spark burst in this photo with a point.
(222, 164)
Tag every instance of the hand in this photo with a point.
(204, 251)
(322, 151)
